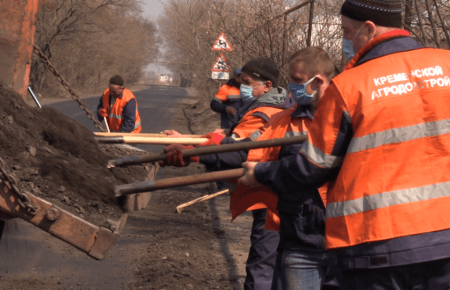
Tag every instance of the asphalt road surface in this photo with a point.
(156, 107)
(25, 250)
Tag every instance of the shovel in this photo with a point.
(152, 185)
(135, 160)
(149, 140)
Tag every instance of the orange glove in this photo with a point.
(174, 156)
(102, 112)
(214, 139)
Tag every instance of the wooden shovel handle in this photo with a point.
(200, 199)
(200, 151)
(148, 140)
(152, 185)
(122, 134)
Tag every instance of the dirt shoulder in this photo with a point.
(200, 248)
(158, 249)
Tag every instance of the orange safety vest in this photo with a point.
(251, 122)
(246, 126)
(248, 198)
(394, 180)
(228, 93)
(115, 111)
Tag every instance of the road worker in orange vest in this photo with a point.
(228, 100)
(298, 214)
(381, 135)
(119, 106)
(263, 99)
(230, 105)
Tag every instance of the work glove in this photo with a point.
(174, 156)
(213, 139)
(102, 113)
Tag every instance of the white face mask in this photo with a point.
(347, 46)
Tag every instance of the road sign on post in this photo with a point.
(222, 43)
(215, 75)
(221, 65)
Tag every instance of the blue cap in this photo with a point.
(238, 71)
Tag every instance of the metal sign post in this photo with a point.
(220, 69)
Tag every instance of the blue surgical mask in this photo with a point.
(347, 46)
(298, 93)
(246, 92)
(348, 49)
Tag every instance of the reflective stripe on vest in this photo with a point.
(245, 128)
(226, 93)
(397, 135)
(233, 97)
(240, 197)
(250, 198)
(394, 180)
(319, 157)
(115, 109)
(386, 199)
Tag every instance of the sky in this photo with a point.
(152, 10)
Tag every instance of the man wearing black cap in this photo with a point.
(228, 100)
(119, 106)
(381, 134)
(263, 99)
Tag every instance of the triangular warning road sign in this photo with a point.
(221, 64)
(222, 43)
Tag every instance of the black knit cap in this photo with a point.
(262, 69)
(387, 13)
(116, 80)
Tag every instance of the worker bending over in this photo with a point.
(119, 106)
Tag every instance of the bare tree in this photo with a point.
(89, 40)
(273, 29)
(421, 20)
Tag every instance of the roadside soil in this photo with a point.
(200, 248)
(197, 249)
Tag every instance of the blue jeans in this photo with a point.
(304, 270)
(262, 256)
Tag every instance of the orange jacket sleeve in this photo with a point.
(248, 125)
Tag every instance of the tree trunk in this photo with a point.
(433, 25)
(408, 14)
(443, 23)
(424, 36)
